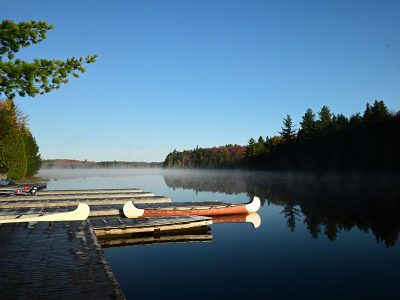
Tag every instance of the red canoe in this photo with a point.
(190, 209)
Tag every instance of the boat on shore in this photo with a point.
(11, 188)
(208, 208)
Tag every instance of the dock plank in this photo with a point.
(118, 225)
(75, 197)
(60, 260)
(96, 210)
(90, 202)
(88, 191)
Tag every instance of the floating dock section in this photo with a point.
(54, 260)
(119, 226)
(50, 260)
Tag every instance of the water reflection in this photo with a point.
(252, 218)
(195, 234)
(181, 236)
(328, 204)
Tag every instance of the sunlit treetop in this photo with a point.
(22, 78)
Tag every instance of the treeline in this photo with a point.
(84, 164)
(329, 142)
(229, 156)
(323, 142)
(19, 152)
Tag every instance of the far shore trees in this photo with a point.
(19, 153)
(362, 143)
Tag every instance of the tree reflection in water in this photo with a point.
(329, 203)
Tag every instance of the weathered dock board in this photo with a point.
(96, 210)
(119, 226)
(54, 261)
(79, 196)
(32, 210)
(72, 202)
(90, 191)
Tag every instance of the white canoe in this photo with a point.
(79, 214)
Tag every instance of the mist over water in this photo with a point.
(322, 236)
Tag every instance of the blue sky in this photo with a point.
(177, 74)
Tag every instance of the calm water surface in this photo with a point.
(321, 236)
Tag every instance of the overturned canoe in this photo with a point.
(79, 214)
(190, 209)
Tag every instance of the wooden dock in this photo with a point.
(102, 202)
(65, 259)
(73, 202)
(120, 226)
(54, 260)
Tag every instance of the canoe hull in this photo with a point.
(195, 209)
(79, 214)
(239, 209)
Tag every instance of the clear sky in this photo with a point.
(177, 74)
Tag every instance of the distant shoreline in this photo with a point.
(84, 164)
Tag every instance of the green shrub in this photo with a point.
(33, 158)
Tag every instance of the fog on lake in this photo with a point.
(320, 234)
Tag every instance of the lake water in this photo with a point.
(321, 236)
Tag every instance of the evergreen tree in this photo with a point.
(356, 120)
(19, 152)
(18, 149)
(251, 148)
(19, 77)
(5, 125)
(33, 158)
(288, 132)
(378, 112)
(325, 118)
(260, 146)
(307, 123)
(368, 143)
(12, 155)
